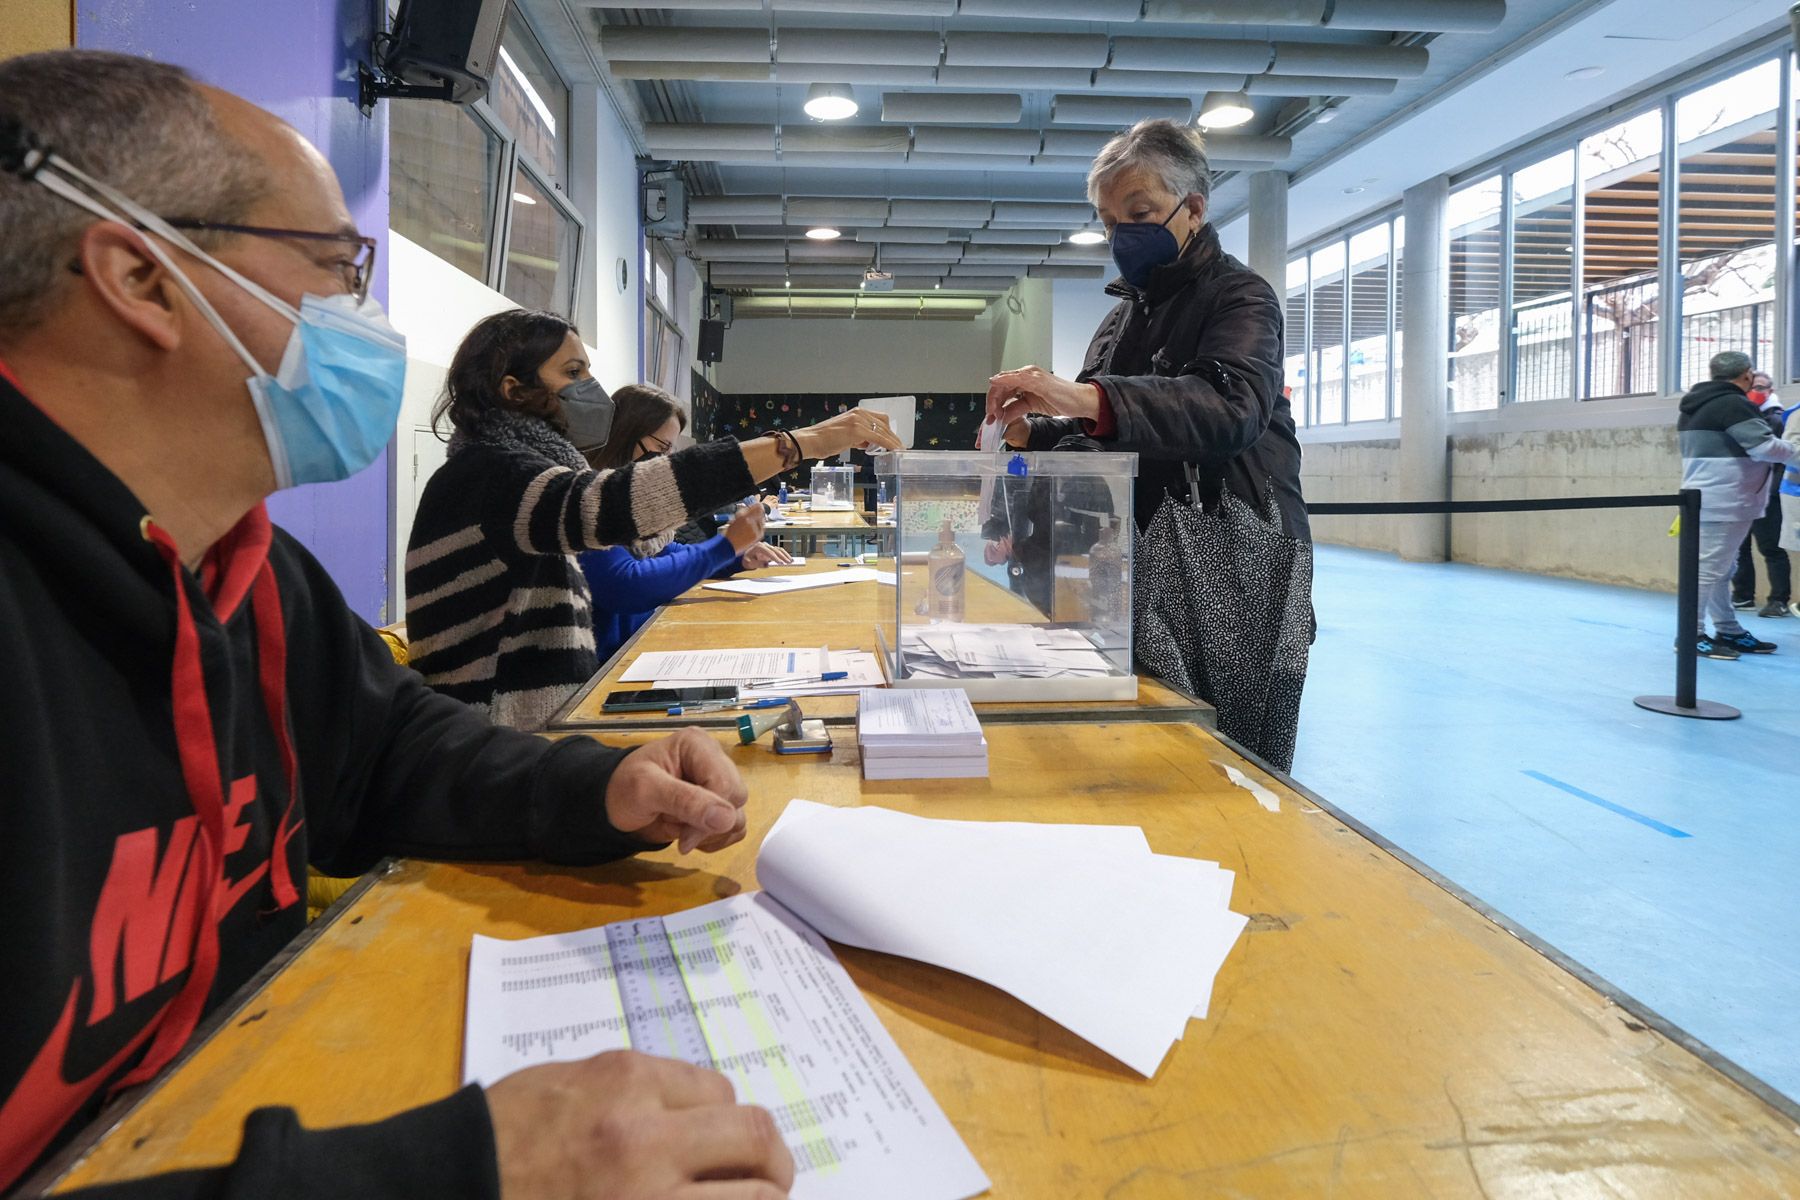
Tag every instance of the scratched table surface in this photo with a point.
(843, 617)
(1370, 1035)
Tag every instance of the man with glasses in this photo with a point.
(192, 713)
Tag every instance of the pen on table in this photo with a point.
(822, 677)
(682, 710)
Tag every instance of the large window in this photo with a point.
(1621, 296)
(665, 357)
(1397, 355)
(1543, 248)
(1340, 352)
(1326, 366)
(1370, 307)
(1473, 217)
(1294, 340)
(1725, 214)
(480, 186)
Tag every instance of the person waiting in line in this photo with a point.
(194, 715)
(1727, 453)
(629, 583)
(1186, 371)
(497, 611)
(1789, 495)
(1765, 531)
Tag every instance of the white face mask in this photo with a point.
(331, 406)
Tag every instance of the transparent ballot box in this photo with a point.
(833, 489)
(1014, 573)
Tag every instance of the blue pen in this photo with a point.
(825, 677)
(678, 710)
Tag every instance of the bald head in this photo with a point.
(176, 147)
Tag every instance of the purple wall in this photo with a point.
(296, 58)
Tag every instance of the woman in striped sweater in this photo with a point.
(497, 611)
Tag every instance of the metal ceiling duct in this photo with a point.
(1249, 147)
(734, 250)
(730, 210)
(835, 210)
(1364, 62)
(854, 139)
(698, 72)
(1318, 85)
(895, 8)
(1118, 111)
(1066, 255)
(902, 253)
(684, 44)
(947, 108)
(830, 252)
(1056, 10)
(892, 46)
(1191, 54)
(1026, 49)
(711, 5)
(980, 283)
(1012, 77)
(929, 139)
(1037, 215)
(1016, 237)
(1049, 271)
(1079, 143)
(1418, 16)
(919, 236)
(866, 73)
(956, 214)
(1181, 83)
(971, 162)
(978, 256)
(668, 136)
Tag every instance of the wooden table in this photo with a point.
(1370, 1035)
(811, 528)
(843, 618)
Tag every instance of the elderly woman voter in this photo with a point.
(1186, 372)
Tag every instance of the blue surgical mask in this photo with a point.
(331, 405)
(588, 412)
(1138, 248)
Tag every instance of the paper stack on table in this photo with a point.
(761, 671)
(743, 987)
(920, 735)
(1081, 922)
(944, 650)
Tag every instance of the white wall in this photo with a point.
(1023, 338)
(879, 357)
(611, 317)
(1077, 308)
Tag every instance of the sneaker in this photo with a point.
(1743, 643)
(1774, 608)
(1708, 648)
(1743, 604)
(1794, 608)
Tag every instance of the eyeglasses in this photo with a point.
(659, 446)
(358, 271)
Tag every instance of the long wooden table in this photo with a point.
(809, 528)
(843, 618)
(1371, 1035)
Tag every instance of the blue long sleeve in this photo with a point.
(627, 589)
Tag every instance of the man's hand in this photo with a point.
(764, 555)
(679, 788)
(746, 527)
(1012, 394)
(626, 1126)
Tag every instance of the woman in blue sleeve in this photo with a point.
(629, 586)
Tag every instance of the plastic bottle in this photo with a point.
(945, 566)
(1106, 575)
(781, 495)
(880, 493)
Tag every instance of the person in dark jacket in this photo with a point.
(1186, 372)
(1765, 531)
(1727, 453)
(192, 713)
(628, 586)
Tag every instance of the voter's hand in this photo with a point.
(681, 788)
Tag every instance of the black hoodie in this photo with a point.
(180, 743)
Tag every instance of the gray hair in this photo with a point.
(1174, 153)
(1729, 364)
(138, 125)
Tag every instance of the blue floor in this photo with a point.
(1482, 721)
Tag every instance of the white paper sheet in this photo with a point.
(902, 413)
(781, 1018)
(724, 666)
(862, 669)
(1119, 948)
(776, 584)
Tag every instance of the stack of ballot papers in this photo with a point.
(744, 987)
(920, 735)
(946, 650)
(1081, 922)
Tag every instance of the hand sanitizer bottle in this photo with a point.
(945, 566)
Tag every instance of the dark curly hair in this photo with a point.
(517, 343)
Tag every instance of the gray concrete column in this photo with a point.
(1425, 370)
(1269, 227)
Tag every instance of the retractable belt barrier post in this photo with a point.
(1684, 703)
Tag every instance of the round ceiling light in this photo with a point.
(1086, 237)
(824, 233)
(830, 102)
(1225, 110)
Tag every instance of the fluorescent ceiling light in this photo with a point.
(824, 233)
(1087, 237)
(522, 198)
(1225, 110)
(531, 93)
(830, 102)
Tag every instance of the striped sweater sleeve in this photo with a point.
(552, 510)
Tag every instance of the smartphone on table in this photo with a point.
(659, 699)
